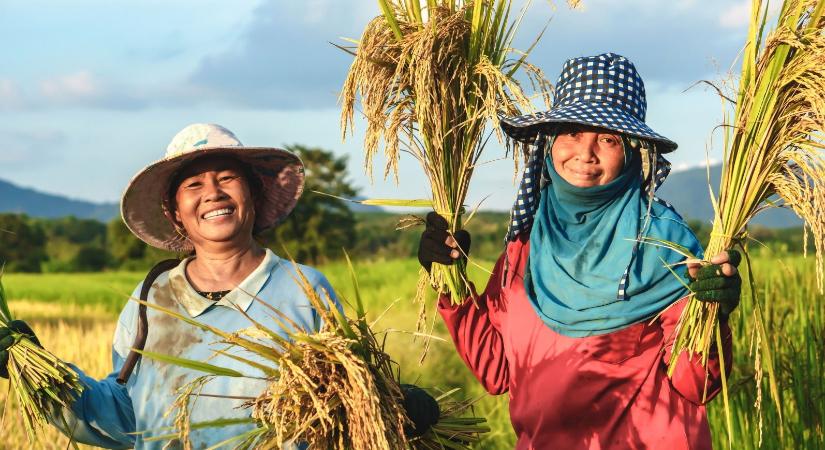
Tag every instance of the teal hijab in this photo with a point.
(582, 243)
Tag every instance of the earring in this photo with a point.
(181, 233)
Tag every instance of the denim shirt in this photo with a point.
(111, 415)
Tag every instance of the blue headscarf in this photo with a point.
(583, 245)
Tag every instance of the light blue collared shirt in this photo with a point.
(110, 415)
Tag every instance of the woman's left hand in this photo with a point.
(718, 281)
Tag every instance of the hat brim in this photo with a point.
(281, 173)
(525, 128)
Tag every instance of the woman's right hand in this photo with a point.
(7, 339)
(437, 245)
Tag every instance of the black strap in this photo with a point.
(143, 324)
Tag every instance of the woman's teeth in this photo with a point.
(218, 212)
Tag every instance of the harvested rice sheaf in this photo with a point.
(327, 395)
(430, 76)
(40, 382)
(774, 146)
(774, 141)
(335, 388)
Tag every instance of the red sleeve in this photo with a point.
(474, 327)
(694, 381)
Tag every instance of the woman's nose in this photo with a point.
(213, 191)
(586, 150)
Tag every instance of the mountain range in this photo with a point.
(16, 199)
(686, 190)
(21, 200)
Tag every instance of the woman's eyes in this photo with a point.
(197, 183)
(224, 178)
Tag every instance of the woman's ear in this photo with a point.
(171, 213)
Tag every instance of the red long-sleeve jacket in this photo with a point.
(601, 392)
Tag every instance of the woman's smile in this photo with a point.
(217, 214)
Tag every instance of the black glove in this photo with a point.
(7, 340)
(433, 245)
(421, 408)
(711, 285)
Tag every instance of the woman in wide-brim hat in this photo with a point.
(206, 197)
(577, 320)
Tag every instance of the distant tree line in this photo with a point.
(318, 230)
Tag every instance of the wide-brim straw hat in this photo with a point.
(144, 202)
(604, 91)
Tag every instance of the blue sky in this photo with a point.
(91, 91)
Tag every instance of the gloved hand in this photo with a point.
(718, 282)
(436, 244)
(421, 408)
(7, 340)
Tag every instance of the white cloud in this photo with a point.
(10, 95)
(681, 167)
(736, 16)
(71, 87)
(79, 89)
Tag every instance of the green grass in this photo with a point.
(109, 289)
(794, 309)
(794, 314)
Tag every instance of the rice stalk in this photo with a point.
(430, 76)
(40, 381)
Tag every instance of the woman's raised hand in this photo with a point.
(437, 245)
(718, 281)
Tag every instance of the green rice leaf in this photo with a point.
(243, 436)
(267, 370)
(192, 364)
(415, 203)
(680, 249)
(359, 303)
(5, 312)
(389, 14)
(217, 423)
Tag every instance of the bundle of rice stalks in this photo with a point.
(41, 382)
(333, 389)
(431, 75)
(773, 156)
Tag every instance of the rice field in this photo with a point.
(74, 317)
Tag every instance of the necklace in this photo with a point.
(213, 295)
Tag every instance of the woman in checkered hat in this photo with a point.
(577, 320)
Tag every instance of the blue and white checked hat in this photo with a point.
(603, 91)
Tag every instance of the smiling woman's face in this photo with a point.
(588, 156)
(214, 204)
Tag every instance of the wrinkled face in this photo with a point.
(587, 156)
(213, 202)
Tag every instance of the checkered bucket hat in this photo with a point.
(603, 91)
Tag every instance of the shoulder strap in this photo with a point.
(143, 324)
